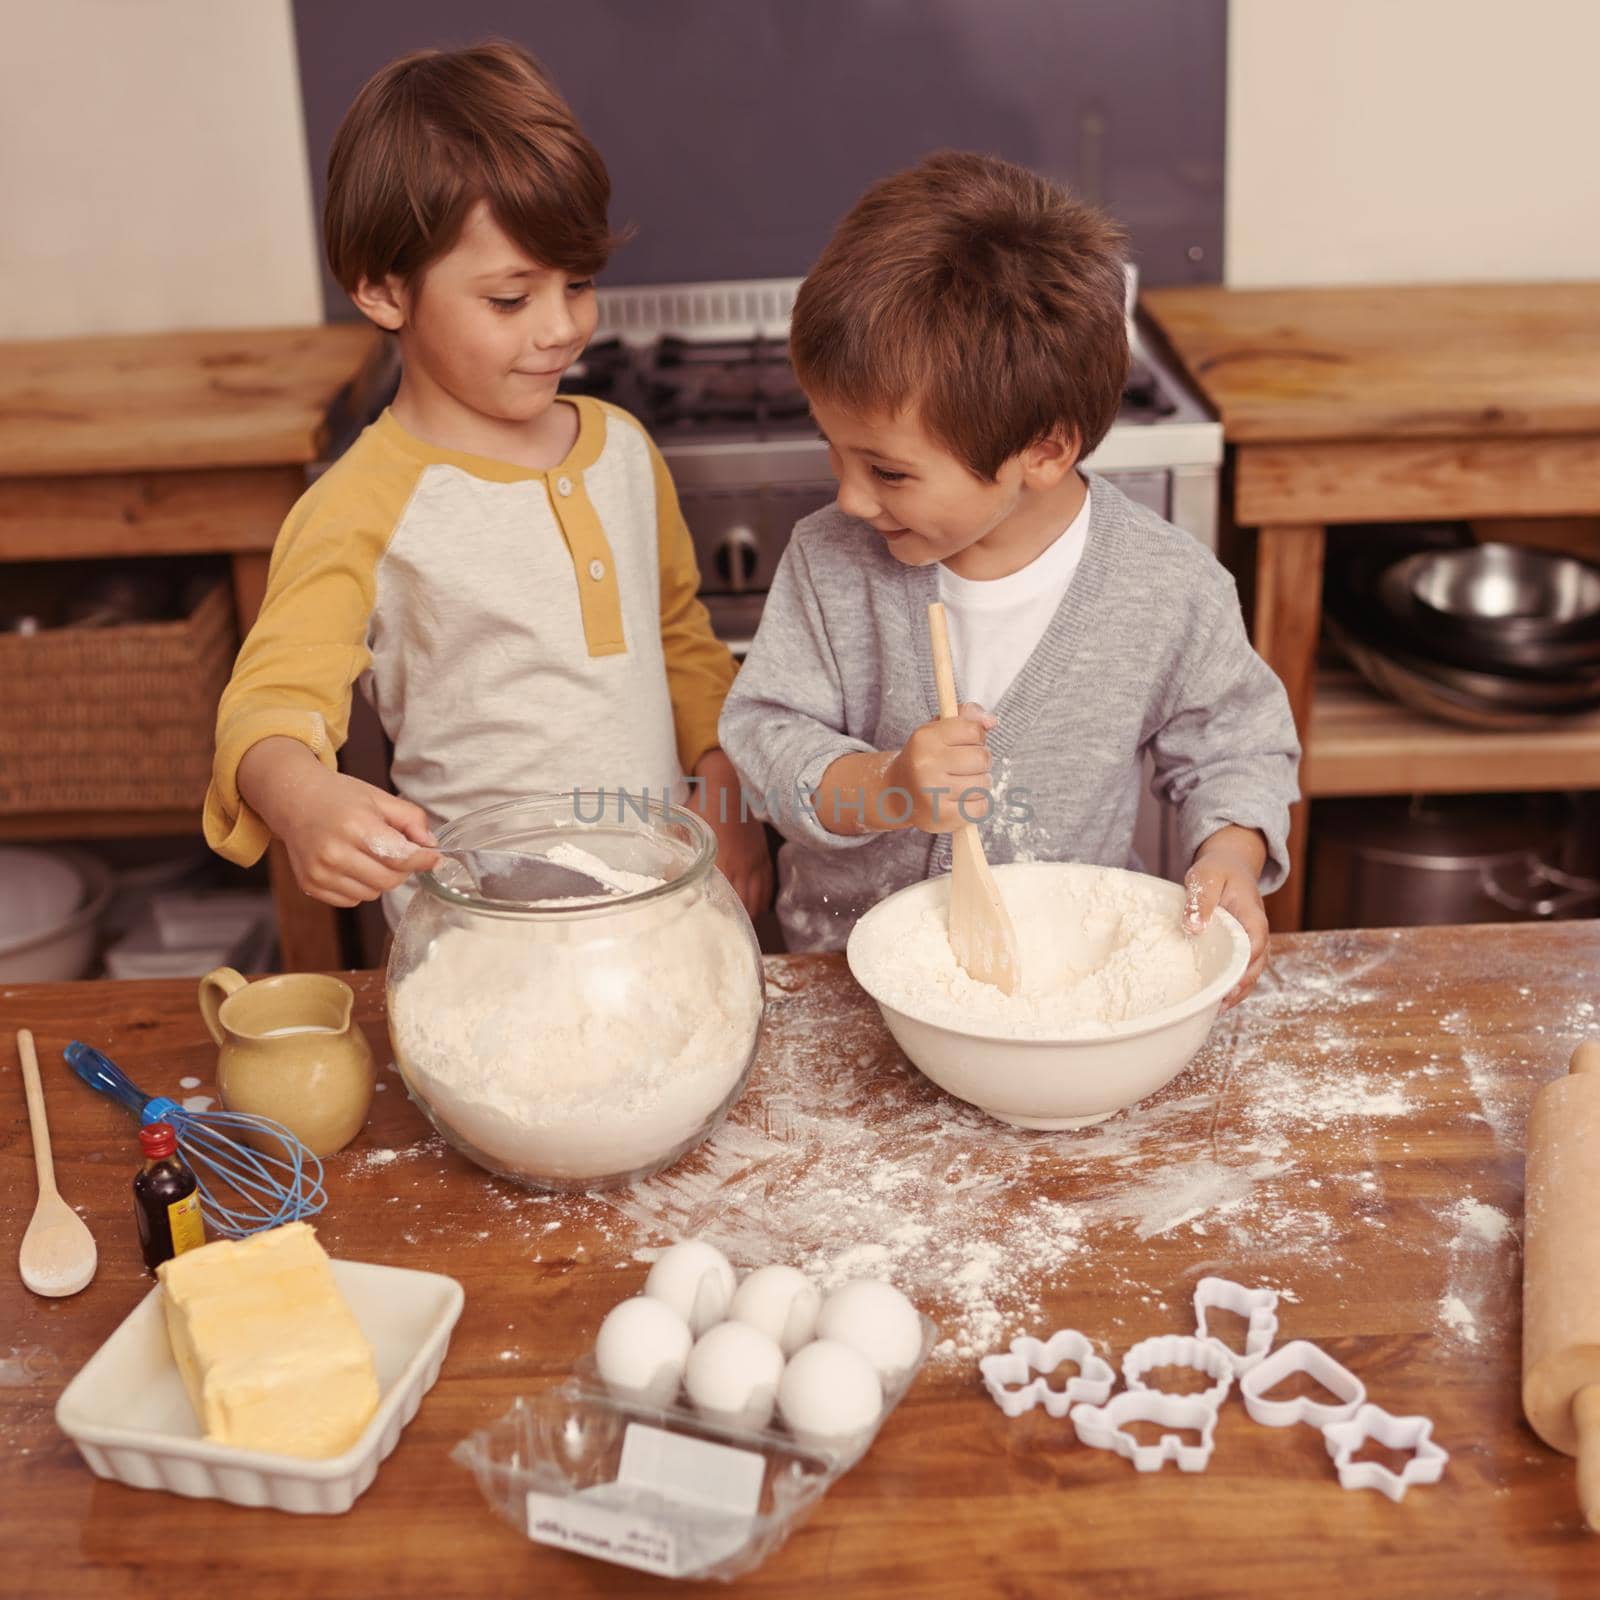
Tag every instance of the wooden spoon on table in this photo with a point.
(58, 1255)
(981, 934)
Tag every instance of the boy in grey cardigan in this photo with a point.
(963, 345)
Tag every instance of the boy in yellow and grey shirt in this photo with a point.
(505, 572)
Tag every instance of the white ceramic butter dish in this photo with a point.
(129, 1416)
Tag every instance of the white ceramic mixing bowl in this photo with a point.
(50, 904)
(1067, 1082)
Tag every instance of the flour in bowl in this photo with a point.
(577, 1049)
(1097, 947)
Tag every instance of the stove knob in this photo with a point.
(738, 557)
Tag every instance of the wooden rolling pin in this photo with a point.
(1561, 1272)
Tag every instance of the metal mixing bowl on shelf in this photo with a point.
(1497, 608)
(1460, 695)
(578, 1044)
(1066, 1082)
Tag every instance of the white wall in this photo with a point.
(1374, 141)
(152, 168)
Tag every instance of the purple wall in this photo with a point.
(738, 131)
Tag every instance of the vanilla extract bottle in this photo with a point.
(166, 1205)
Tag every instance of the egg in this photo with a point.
(695, 1279)
(829, 1395)
(782, 1302)
(732, 1375)
(642, 1349)
(876, 1319)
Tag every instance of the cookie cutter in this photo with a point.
(1103, 1427)
(1259, 1308)
(1019, 1380)
(1300, 1355)
(1209, 1356)
(1415, 1434)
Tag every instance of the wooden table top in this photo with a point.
(1419, 361)
(173, 401)
(1352, 1135)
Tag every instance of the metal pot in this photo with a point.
(1450, 859)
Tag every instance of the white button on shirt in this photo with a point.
(597, 569)
(563, 485)
(996, 623)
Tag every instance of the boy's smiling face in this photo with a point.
(485, 329)
(928, 506)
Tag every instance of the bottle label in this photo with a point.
(188, 1231)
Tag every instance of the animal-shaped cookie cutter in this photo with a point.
(1259, 1308)
(1019, 1380)
(1415, 1434)
(1300, 1355)
(1104, 1427)
(1209, 1356)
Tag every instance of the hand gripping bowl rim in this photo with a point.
(1210, 994)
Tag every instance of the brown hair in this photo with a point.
(434, 133)
(980, 294)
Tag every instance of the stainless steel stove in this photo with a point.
(705, 368)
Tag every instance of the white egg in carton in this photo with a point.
(827, 1369)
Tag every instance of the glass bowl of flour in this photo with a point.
(578, 1044)
(1113, 1001)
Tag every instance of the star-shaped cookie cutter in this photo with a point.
(1103, 1428)
(1259, 1308)
(1300, 1355)
(1209, 1356)
(1415, 1434)
(1019, 1380)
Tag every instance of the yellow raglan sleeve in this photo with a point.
(700, 667)
(295, 671)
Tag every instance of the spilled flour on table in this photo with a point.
(1288, 1171)
(1458, 1317)
(850, 1165)
(1476, 1290)
(1476, 1221)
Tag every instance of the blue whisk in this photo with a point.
(267, 1189)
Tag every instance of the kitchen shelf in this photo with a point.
(1364, 744)
(98, 824)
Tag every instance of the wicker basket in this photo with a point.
(113, 719)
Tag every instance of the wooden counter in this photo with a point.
(1353, 1135)
(1394, 405)
(171, 444)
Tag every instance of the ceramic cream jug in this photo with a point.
(290, 1050)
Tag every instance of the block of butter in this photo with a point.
(270, 1353)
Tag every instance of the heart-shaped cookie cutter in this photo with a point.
(1259, 1308)
(1209, 1356)
(1415, 1434)
(1103, 1427)
(1019, 1380)
(1300, 1355)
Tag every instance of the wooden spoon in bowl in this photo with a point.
(58, 1255)
(981, 934)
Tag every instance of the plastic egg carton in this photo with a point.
(658, 1487)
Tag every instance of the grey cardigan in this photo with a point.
(1147, 652)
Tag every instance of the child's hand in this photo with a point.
(742, 853)
(1226, 872)
(949, 754)
(347, 841)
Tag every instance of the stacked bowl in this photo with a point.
(1491, 635)
(50, 905)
